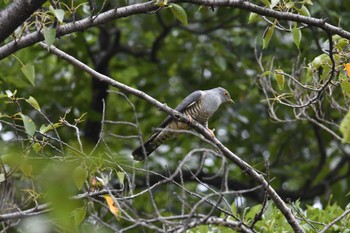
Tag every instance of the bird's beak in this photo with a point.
(231, 101)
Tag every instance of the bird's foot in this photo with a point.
(211, 131)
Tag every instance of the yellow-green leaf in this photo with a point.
(26, 169)
(345, 85)
(345, 128)
(49, 36)
(296, 35)
(34, 103)
(79, 215)
(320, 60)
(29, 71)
(303, 11)
(44, 128)
(58, 13)
(266, 2)
(37, 147)
(268, 34)
(279, 76)
(121, 176)
(342, 43)
(79, 175)
(254, 17)
(179, 13)
(266, 73)
(161, 3)
(29, 125)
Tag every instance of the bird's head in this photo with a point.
(224, 95)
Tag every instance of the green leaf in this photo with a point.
(29, 71)
(50, 36)
(29, 125)
(253, 18)
(345, 85)
(121, 176)
(268, 34)
(34, 103)
(303, 11)
(342, 43)
(79, 175)
(266, 73)
(345, 128)
(26, 169)
(266, 2)
(179, 13)
(161, 3)
(44, 128)
(253, 211)
(279, 78)
(58, 13)
(296, 35)
(79, 215)
(37, 147)
(320, 60)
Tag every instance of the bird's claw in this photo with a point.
(212, 132)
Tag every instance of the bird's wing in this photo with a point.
(138, 153)
(188, 101)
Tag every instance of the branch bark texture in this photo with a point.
(15, 14)
(281, 205)
(148, 7)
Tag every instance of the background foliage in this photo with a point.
(51, 114)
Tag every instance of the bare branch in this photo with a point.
(198, 127)
(150, 7)
(343, 215)
(40, 209)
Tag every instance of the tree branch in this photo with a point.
(148, 7)
(40, 209)
(15, 14)
(234, 225)
(343, 215)
(280, 204)
(80, 25)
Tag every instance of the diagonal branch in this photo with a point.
(281, 205)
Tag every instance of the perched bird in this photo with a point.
(199, 105)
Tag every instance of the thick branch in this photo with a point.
(15, 14)
(198, 127)
(247, 5)
(147, 7)
(80, 25)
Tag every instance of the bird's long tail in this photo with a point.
(141, 152)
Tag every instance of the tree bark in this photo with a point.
(15, 14)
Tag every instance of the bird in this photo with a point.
(200, 105)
